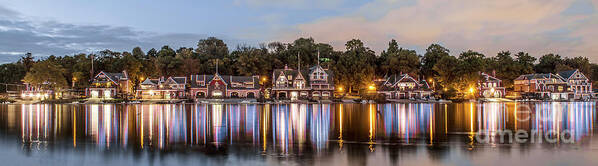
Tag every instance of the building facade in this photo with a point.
(163, 88)
(313, 83)
(579, 85)
(490, 87)
(403, 86)
(109, 85)
(542, 86)
(41, 92)
(224, 86)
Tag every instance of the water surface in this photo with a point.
(298, 134)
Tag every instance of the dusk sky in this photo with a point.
(65, 27)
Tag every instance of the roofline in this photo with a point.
(106, 76)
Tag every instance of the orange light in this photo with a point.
(372, 87)
(471, 90)
(340, 89)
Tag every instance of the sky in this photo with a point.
(66, 27)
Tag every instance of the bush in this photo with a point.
(6, 100)
(381, 98)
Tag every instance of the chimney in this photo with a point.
(286, 67)
(493, 73)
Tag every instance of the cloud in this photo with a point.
(43, 38)
(536, 26)
(290, 4)
(5, 13)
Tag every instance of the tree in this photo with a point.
(525, 62)
(355, 67)
(166, 62)
(78, 77)
(446, 69)
(548, 63)
(46, 73)
(138, 53)
(166, 51)
(27, 61)
(189, 62)
(133, 66)
(152, 53)
(594, 75)
(11, 73)
(253, 61)
(212, 48)
(209, 50)
(468, 68)
(581, 63)
(505, 68)
(397, 60)
(433, 54)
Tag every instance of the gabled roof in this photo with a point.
(113, 77)
(227, 79)
(178, 80)
(218, 77)
(390, 82)
(304, 73)
(196, 78)
(330, 78)
(486, 77)
(567, 74)
(406, 78)
(424, 84)
(539, 76)
(150, 82)
(313, 68)
(292, 72)
(570, 74)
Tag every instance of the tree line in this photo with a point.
(354, 68)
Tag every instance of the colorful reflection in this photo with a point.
(295, 125)
(408, 121)
(543, 120)
(288, 128)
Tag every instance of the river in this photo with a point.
(558, 133)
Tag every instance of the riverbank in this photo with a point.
(256, 101)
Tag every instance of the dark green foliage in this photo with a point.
(354, 69)
(433, 54)
(397, 60)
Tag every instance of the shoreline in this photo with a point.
(255, 101)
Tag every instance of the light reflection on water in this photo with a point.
(291, 130)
